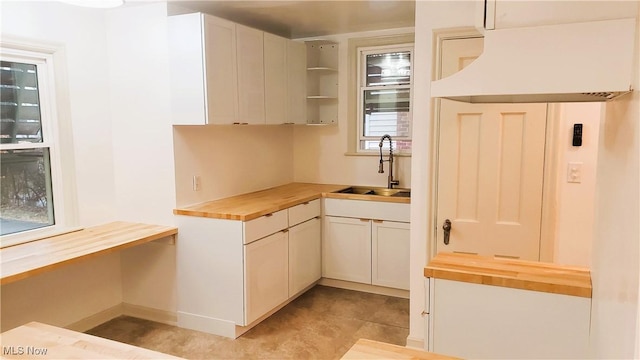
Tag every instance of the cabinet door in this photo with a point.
(275, 79)
(297, 82)
(220, 70)
(346, 249)
(266, 275)
(250, 57)
(304, 255)
(390, 254)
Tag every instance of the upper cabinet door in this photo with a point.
(250, 56)
(220, 70)
(275, 79)
(297, 82)
(202, 52)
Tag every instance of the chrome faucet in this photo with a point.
(390, 181)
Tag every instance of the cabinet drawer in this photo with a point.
(303, 212)
(264, 225)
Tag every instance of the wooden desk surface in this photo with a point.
(517, 274)
(24, 260)
(375, 350)
(40, 341)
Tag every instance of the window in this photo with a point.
(28, 176)
(384, 80)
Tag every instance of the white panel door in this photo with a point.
(250, 56)
(275, 78)
(305, 251)
(346, 249)
(390, 254)
(490, 171)
(266, 275)
(221, 71)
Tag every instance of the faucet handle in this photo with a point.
(381, 167)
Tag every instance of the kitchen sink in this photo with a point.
(365, 190)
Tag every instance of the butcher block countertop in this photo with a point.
(24, 260)
(253, 205)
(517, 274)
(40, 341)
(375, 350)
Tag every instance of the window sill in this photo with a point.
(34, 235)
(385, 153)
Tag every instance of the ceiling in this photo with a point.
(307, 18)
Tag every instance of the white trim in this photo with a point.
(147, 313)
(373, 289)
(415, 343)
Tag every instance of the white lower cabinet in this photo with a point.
(232, 273)
(359, 249)
(346, 250)
(491, 322)
(266, 274)
(390, 254)
(304, 255)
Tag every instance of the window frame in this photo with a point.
(49, 61)
(361, 85)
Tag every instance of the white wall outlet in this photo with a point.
(574, 172)
(196, 183)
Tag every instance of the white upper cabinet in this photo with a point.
(225, 73)
(275, 79)
(251, 90)
(296, 82)
(203, 70)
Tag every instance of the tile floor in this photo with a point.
(323, 323)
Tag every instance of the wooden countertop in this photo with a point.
(40, 341)
(24, 260)
(369, 349)
(253, 205)
(517, 274)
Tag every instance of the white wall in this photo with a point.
(319, 154)
(67, 295)
(576, 201)
(231, 160)
(430, 15)
(143, 147)
(616, 248)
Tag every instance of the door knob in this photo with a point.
(447, 230)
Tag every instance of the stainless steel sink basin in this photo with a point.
(366, 190)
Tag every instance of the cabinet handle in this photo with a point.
(317, 217)
(268, 215)
(365, 220)
(378, 221)
(285, 231)
(305, 203)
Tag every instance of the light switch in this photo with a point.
(574, 172)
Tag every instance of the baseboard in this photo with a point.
(147, 313)
(141, 312)
(380, 290)
(207, 324)
(96, 319)
(415, 343)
